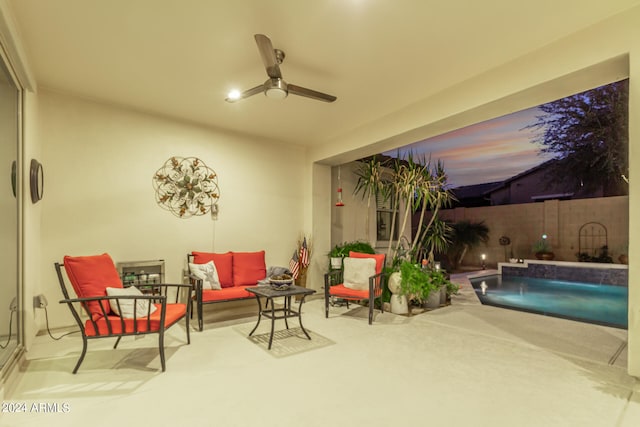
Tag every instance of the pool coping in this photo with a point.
(598, 265)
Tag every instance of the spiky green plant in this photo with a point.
(371, 183)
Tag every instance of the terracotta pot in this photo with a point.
(545, 256)
(623, 258)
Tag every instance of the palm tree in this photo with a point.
(371, 183)
(436, 238)
(466, 235)
(432, 195)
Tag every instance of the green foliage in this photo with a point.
(541, 247)
(452, 288)
(370, 175)
(420, 184)
(371, 183)
(603, 256)
(414, 283)
(435, 239)
(418, 283)
(464, 236)
(355, 246)
(589, 134)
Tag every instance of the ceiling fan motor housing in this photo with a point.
(275, 89)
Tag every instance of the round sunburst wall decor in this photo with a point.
(186, 187)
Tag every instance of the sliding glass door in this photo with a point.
(9, 194)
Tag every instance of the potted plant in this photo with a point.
(422, 285)
(542, 250)
(341, 251)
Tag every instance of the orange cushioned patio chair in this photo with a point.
(116, 311)
(361, 278)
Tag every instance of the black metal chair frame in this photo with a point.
(336, 277)
(157, 293)
(197, 288)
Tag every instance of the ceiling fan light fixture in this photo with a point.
(275, 89)
(234, 95)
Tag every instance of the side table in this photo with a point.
(279, 313)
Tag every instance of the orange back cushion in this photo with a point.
(90, 276)
(378, 257)
(248, 268)
(223, 263)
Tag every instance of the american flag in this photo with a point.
(304, 254)
(294, 265)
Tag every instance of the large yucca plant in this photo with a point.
(371, 183)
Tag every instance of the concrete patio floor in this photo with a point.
(461, 365)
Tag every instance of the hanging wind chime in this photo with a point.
(339, 202)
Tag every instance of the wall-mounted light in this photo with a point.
(484, 257)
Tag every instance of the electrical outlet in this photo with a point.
(39, 301)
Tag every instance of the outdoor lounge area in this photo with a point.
(465, 364)
(156, 130)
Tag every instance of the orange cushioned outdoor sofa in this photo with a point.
(223, 277)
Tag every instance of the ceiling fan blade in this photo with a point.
(309, 93)
(247, 93)
(268, 55)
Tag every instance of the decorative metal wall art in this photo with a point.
(186, 187)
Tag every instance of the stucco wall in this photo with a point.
(99, 162)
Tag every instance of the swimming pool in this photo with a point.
(586, 302)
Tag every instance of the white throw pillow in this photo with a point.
(207, 273)
(357, 272)
(126, 305)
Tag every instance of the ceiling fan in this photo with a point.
(275, 87)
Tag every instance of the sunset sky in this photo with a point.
(485, 152)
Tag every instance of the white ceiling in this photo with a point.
(179, 58)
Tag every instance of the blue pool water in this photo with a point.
(593, 303)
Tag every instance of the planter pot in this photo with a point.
(433, 301)
(546, 256)
(336, 263)
(624, 259)
(399, 304)
(443, 296)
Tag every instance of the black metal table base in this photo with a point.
(285, 312)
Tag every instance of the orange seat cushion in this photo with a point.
(236, 292)
(90, 276)
(341, 291)
(174, 313)
(223, 263)
(248, 268)
(378, 257)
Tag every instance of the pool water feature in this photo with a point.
(587, 302)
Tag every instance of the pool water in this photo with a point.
(586, 302)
